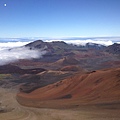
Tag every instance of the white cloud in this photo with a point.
(7, 45)
(12, 55)
(84, 41)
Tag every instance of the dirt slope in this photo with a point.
(97, 87)
(14, 111)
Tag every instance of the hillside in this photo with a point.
(12, 69)
(97, 87)
(114, 49)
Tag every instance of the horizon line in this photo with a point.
(64, 37)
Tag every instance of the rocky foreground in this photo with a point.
(11, 110)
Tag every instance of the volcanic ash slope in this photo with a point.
(96, 87)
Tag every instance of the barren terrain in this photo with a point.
(14, 111)
(97, 87)
(68, 83)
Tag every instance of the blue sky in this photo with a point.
(59, 18)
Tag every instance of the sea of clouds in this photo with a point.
(13, 49)
(106, 41)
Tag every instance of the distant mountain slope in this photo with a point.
(59, 54)
(58, 49)
(97, 87)
(66, 61)
(114, 49)
(39, 44)
(94, 46)
(61, 46)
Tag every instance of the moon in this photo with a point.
(5, 5)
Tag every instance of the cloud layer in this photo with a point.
(8, 54)
(82, 41)
(11, 50)
(7, 45)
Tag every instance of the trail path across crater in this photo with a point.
(14, 111)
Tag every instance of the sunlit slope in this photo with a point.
(95, 87)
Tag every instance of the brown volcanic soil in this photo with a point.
(67, 61)
(97, 87)
(74, 68)
(42, 79)
(11, 110)
(11, 69)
